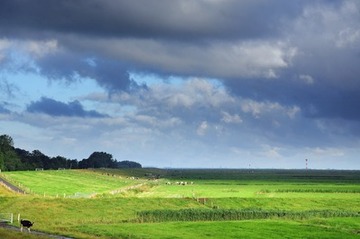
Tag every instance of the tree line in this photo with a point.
(13, 159)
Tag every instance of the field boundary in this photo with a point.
(163, 215)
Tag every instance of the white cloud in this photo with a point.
(265, 109)
(331, 152)
(326, 25)
(228, 118)
(270, 152)
(307, 79)
(4, 45)
(348, 37)
(202, 128)
(39, 49)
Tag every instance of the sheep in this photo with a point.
(25, 223)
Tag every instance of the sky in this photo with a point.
(184, 83)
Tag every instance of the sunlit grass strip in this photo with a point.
(310, 190)
(303, 190)
(154, 216)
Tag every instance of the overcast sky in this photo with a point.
(184, 83)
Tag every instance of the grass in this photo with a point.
(256, 229)
(108, 215)
(11, 234)
(5, 192)
(67, 182)
(251, 189)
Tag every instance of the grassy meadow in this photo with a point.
(187, 203)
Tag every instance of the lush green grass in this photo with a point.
(61, 215)
(257, 189)
(67, 182)
(256, 229)
(12, 234)
(108, 215)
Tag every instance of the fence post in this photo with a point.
(18, 217)
(11, 218)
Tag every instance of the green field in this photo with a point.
(213, 204)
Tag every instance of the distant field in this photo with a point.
(254, 189)
(118, 196)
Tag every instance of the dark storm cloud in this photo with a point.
(112, 75)
(309, 49)
(317, 100)
(57, 108)
(323, 77)
(175, 19)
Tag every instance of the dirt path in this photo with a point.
(11, 186)
(14, 228)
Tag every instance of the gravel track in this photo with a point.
(11, 186)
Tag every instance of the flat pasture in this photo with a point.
(256, 229)
(254, 189)
(67, 182)
(213, 203)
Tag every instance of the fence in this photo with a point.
(82, 195)
(7, 217)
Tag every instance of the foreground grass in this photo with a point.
(12, 234)
(256, 229)
(63, 215)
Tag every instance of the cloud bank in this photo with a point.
(223, 82)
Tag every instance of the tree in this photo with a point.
(9, 160)
(128, 164)
(6, 142)
(25, 158)
(40, 160)
(98, 160)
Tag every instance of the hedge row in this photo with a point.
(311, 190)
(233, 214)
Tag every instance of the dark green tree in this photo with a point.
(40, 160)
(9, 160)
(128, 164)
(98, 160)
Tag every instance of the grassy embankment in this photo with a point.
(114, 216)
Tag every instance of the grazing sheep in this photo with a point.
(25, 223)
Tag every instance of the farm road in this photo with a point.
(14, 228)
(11, 186)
